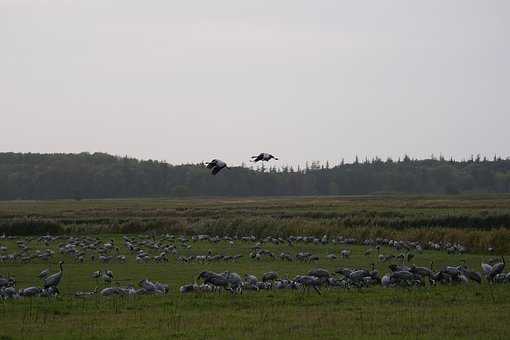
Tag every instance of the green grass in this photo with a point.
(433, 312)
(478, 222)
(446, 312)
(440, 313)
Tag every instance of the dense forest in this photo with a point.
(99, 175)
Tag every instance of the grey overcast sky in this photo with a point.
(185, 81)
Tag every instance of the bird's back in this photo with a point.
(52, 280)
(211, 164)
(220, 163)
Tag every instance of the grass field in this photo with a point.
(469, 311)
(478, 222)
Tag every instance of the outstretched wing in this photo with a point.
(212, 164)
(258, 158)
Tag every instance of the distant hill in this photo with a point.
(99, 175)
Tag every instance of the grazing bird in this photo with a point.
(331, 256)
(187, 288)
(396, 268)
(401, 275)
(44, 273)
(149, 286)
(107, 276)
(269, 276)
(497, 269)
(216, 165)
(54, 279)
(322, 274)
(85, 295)
(357, 277)
(7, 282)
(386, 280)
(109, 291)
(30, 291)
(218, 281)
(308, 281)
(263, 157)
(472, 275)
(235, 281)
(422, 271)
(486, 268)
(250, 279)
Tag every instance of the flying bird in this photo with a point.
(263, 157)
(216, 165)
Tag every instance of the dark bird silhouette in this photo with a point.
(216, 165)
(263, 157)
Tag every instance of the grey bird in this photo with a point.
(263, 157)
(216, 165)
(308, 281)
(54, 279)
(497, 269)
(44, 273)
(30, 291)
(269, 276)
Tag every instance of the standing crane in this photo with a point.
(54, 279)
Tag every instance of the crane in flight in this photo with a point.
(216, 165)
(263, 157)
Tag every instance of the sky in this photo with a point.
(188, 81)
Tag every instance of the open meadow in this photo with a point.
(157, 239)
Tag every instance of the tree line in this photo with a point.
(100, 175)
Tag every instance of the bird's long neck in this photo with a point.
(61, 267)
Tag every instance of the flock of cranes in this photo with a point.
(216, 165)
(143, 249)
(50, 285)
